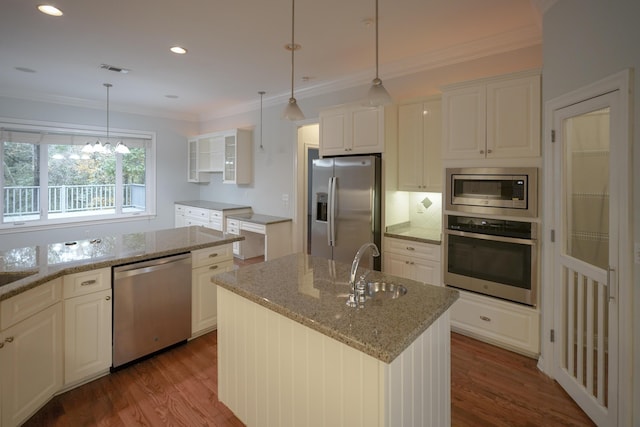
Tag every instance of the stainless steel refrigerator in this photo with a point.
(346, 208)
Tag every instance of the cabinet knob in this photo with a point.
(107, 298)
(8, 339)
(481, 151)
(489, 151)
(1, 344)
(485, 318)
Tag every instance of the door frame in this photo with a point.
(621, 81)
(301, 177)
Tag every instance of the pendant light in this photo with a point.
(292, 111)
(378, 95)
(98, 147)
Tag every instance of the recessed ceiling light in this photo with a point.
(49, 10)
(178, 49)
(171, 96)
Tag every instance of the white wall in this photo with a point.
(171, 154)
(585, 41)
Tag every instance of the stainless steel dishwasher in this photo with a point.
(151, 306)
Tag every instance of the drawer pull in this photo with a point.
(485, 318)
(213, 267)
(213, 255)
(107, 298)
(409, 262)
(1, 344)
(88, 283)
(8, 339)
(411, 248)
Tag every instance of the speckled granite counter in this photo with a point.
(259, 218)
(216, 206)
(312, 291)
(417, 234)
(47, 262)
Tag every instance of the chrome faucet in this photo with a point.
(355, 293)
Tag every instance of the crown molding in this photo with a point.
(488, 46)
(98, 105)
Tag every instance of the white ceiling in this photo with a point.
(236, 48)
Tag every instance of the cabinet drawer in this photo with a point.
(21, 306)
(412, 248)
(255, 228)
(197, 213)
(210, 256)
(181, 209)
(86, 282)
(216, 224)
(215, 214)
(233, 226)
(505, 324)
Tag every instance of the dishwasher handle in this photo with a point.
(143, 267)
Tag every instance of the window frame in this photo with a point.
(89, 131)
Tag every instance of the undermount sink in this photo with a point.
(384, 290)
(10, 277)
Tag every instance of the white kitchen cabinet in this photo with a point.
(419, 146)
(87, 325)
(512, 326)
(492, 118)
(351, 129)
(30, 351)
(193, 173)
(412, 260)
(206, 263)
(179, 219)
(228, 152)
(238, 164)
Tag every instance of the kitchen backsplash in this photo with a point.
(421, 210)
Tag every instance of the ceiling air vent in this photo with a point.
(114, 68)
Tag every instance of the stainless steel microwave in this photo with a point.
(493, 191)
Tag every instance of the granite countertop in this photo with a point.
(417, 234)
(43, 263)
(216, 206)
(313, 291)
(259, 218)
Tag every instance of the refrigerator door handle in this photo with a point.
(331, 223)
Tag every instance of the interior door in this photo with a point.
(586, 256)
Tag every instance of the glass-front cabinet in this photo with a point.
(229, 152)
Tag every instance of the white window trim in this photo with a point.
(70, 128)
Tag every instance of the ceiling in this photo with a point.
(236, 48)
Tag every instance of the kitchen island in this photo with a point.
(291, 352)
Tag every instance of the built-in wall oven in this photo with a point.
(492, 256)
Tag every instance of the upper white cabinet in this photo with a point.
(237, 157)
(351, 129)
(227, 151)
(492, 118)
(419, 146)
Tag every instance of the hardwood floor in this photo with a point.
(490, 387)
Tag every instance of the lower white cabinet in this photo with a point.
(412, 260)
(30, 353)
(505, 324)
(206, 263)
(87, 325)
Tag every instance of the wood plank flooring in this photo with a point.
(490, 387)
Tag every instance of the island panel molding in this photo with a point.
(275, 371)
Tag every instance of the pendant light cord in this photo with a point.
(107, 85)
(376, 39)
(293, 43)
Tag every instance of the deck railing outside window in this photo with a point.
(21, 201)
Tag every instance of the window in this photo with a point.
(49, 177)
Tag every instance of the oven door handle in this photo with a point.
(530, 242)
